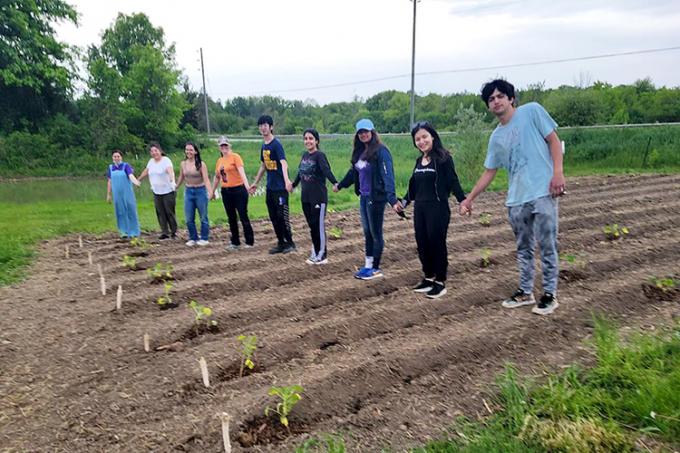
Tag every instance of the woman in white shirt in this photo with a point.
(162, 178)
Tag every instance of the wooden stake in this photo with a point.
(225, 419)
(66, 251)
(80, 241)
(204, 371)
(146, 343)
(119, 298)
(89, 257)
(102, 283)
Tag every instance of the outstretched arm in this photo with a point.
(482, 184)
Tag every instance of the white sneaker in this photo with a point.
(310, 261)
(323, 261)
(202, 242)
(190, 243)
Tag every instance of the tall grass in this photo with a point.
(633, 390)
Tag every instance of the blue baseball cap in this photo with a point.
(365, 124)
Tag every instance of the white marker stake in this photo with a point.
(66, 251)
(204, 371)
(102, 283)
(89, 257)
(225, 418)
(146, 343)
(119, 298)
(80, 242)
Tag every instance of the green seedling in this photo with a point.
(665, 284)
(165, 299)
(202, 315)
(289, 398)
(614, 231)
(575, 260)
(140, 243)
(486, 257)
(335, 232)
(248, 347)
(485, 219)
(130, 262)
(160, 272)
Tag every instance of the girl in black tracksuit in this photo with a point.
(313, 172)
(434, 178)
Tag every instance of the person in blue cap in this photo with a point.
(372, 174)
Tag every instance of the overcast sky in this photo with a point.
(288, 47)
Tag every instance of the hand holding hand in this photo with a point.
(252, 188)
(465, 207)
(289, 186)
(336, 188)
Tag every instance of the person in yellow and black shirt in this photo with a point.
(274, 163)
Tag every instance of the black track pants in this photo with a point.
(431, 223)
(277, 205)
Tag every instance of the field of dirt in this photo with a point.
(380, 364)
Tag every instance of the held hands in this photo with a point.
(289, 186)
(557, 186)
(465, 207)
(336, 188)
(108, 198)
(252, 188)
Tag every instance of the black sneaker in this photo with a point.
(278, 248)
(518, 299)
(546, 305)
(437, 290)
(288, 248)
(163, 236)
(424, 286)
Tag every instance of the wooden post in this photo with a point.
(119, 298)
(146, 343)
(204, 371)
(80, 241)
(225, 419)
(102, 283)
(66, 251)
(89, 257)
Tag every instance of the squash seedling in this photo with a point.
(485, 257)
(665, 284)
(485, 219)
(165, 301)
(140, 243)
(335, 232)
(290, 396)
(130, 262)
(614, 231)
(248, 347)
(202, 314)
(574, 259)
(160, 272)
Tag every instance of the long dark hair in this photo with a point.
(197, 159)
(438, 151)
(371, 147)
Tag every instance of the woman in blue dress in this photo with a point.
(120, 179)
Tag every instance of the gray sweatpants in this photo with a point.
(536, 222)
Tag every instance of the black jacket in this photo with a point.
(445, 181)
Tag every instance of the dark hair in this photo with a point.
(117, 151)
(501, 85)
(265, 119)
(314, 132)
(367, 151)
(438, 151)
(197, 159)
(156, 145)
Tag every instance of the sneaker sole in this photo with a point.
(321, 262)
(371, 277)
(545, 311)
(518, 304)
(436, 296)
(310, 262)
(422, 290)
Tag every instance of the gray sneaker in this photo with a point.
(519, 299)
(233, 247)
(546, 305)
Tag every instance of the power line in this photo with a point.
(474, 69)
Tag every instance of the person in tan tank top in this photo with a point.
(194, 173)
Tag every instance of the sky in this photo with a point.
(296, 49)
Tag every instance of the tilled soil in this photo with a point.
(380, 364)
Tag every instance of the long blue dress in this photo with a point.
(124, 202)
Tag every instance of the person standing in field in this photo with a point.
(372, 174)
(525, 142)
(313, 171)
(196, 194)
(433, 179)
(162, 179)
(274, 163)
(234, 190)
(120, 177)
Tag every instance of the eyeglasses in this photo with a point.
(420, 125)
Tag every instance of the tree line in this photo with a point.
(127, 91)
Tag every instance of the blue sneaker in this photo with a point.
(371, 274)
(363, 273)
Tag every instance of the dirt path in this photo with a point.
(379, 363)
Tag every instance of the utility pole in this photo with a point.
(205, 97)
(413, 67)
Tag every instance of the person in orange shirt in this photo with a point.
(234, 190)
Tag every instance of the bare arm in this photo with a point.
(286, 180)
(145, 172)
(134, 180)
(557, 183)
(258, 176)
(482, 183)
(108, 190)
(206, 179)
(242, 172)
(181, 175)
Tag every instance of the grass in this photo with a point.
(632, 391)
(48, 208)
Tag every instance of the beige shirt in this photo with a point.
(192, 177)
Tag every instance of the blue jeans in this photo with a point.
(372, 215)
(196, 198)
(532, 222)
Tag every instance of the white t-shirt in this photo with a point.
(160, 180)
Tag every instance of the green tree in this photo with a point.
(36, 70)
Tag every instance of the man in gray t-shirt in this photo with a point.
(525, 142)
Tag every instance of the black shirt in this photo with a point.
(424, 181)
(313, 171)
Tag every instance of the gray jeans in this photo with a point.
(536, 222)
